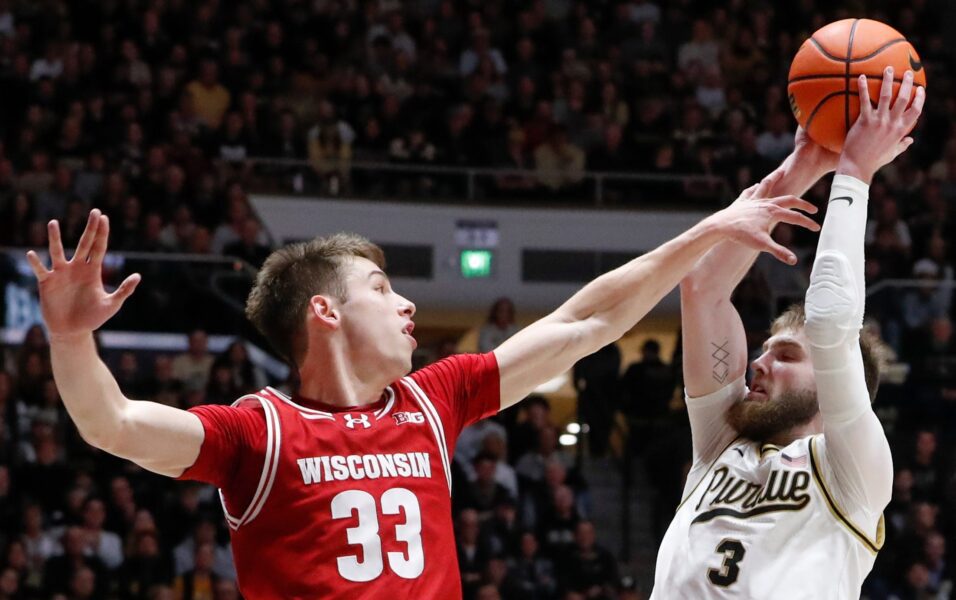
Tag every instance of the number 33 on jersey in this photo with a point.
(346, 503)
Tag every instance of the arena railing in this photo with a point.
(178, 293)
(480, 184)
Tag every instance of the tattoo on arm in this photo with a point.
(721, 366)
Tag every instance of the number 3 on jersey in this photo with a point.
(366, 535)
(728, 572)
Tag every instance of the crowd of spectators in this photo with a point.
(77, 523)
(152, 110)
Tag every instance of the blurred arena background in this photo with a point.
(503, 153)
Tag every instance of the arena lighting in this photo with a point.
(574, 428)
(476, 263)
(567, 439)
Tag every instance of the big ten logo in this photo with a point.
(408, 417)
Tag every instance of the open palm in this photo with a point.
(751, 218)
(72, 296)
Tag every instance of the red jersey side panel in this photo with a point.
(333, 503)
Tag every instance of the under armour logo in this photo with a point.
(362, 420)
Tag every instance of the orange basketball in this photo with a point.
(822, 86)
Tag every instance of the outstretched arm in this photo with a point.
(856, 451)
(612, 304)
(74, 304)
(714, 346)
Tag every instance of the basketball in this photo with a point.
(822, 85)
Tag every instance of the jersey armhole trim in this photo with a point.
(304, 412)
(874, 546)
(704, 476)
(434, 420)
(270, 465)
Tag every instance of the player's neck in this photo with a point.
(332, 379)
(785, 438)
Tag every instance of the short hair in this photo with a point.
(871, 347)
(292, 275)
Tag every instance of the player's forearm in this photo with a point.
(844, 228)
(717, 274)
(89, 391)
(600, 313)
(799, 172)
(617, 300)
(835, 304)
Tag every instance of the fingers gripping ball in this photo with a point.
(822, 86)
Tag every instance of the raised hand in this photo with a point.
(880, 134)
(72, 296)
(751, 218)
(808, 151)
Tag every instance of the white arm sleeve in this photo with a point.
(859, 464)
(709, 429)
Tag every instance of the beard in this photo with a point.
(762, 420)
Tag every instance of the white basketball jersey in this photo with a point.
(760, 522)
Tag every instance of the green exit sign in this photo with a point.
(476, 263)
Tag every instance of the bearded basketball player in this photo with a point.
(791, 474)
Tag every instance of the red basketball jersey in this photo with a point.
(326, 502)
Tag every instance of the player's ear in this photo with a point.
(325, 311)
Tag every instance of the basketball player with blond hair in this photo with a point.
(790, 475)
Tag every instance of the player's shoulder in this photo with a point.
(454, 367)
(437, 381)
(258, 407)
(259, 399)
(247, 420)
(451, 361)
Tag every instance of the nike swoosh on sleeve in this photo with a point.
(848, 199)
